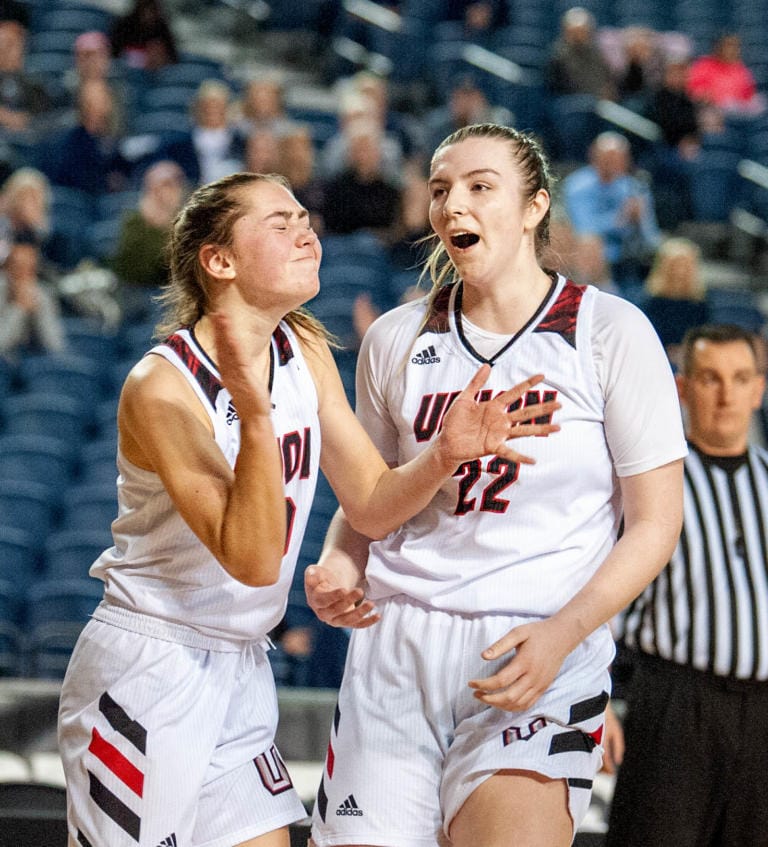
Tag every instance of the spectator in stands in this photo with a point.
(262, 151)
(675, 292)
(23, 100)
(607, 198)
(672, 108)
(467, 104)
(25, 202)
(298, 165)
(93, 60)
(30, 319)
(359, 108)
(590, 266)
(139, 259)
(671, 158)
(362, 196)
(480, 18)
(641, 70)
(88, 156)
(576, 64)
(143, 37)
(721, 78)
(218, 146)
(262, 105)
(12, 10)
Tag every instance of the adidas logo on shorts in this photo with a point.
(349, 807)
(170, 841)
(426, 357)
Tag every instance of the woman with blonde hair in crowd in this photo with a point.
(675, 291)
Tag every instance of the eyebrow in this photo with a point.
(467, 175)
(286, 215)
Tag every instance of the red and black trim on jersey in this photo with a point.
(561, 318)
(124, 729)
(211, 385)
(437, 318)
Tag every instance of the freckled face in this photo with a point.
(477, 208)
(274, 247)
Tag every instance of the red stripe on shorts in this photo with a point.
(124, 770)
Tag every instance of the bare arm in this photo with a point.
(377, 499)
(653, 507)
(238, 514)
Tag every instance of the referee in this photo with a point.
(696, 732)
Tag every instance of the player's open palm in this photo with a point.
(473, 428)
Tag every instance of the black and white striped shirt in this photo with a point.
(709, 607)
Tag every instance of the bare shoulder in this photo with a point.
(155, 398)
(319, 359)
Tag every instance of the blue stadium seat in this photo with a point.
(19, 556)
(70, 375)
(28, 505)
(45, 413)
(12, 597)
(714, 185)
(75, 19)
(70, 552)
(89, 507)
(62, 601)
(39, 458)
(12, 649)
(98, 462)
(48, 648)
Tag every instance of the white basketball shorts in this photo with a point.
(409, 742)
(167, 738)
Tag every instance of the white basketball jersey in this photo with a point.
(157, 565)
(499, 536)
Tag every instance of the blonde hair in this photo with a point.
(657, 283)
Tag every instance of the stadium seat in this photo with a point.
(39, 458)
(28, 505)
(70, 551)
(98, 462)
(70, 375)
(89, 508)
(12, 649)
(19, 557)
(61, 601)
(50, 414)
(49, 647)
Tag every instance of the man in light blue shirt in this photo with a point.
(606, 198)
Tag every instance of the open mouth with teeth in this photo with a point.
(464, 240)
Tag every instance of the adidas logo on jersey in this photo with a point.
(426, 357)
(170, 841)
(349, 807)
(232, 416)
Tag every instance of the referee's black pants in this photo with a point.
(695, 770)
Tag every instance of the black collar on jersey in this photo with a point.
(215, 367)
(730, 464)
(505, 347)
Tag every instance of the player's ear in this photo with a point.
(217, 261)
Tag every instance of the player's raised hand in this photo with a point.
(473, 428)
(250, 392)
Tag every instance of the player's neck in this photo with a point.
(507, 309)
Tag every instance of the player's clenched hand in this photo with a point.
(334, 603)
(473, 428)
(519, 683)
(249, 396)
